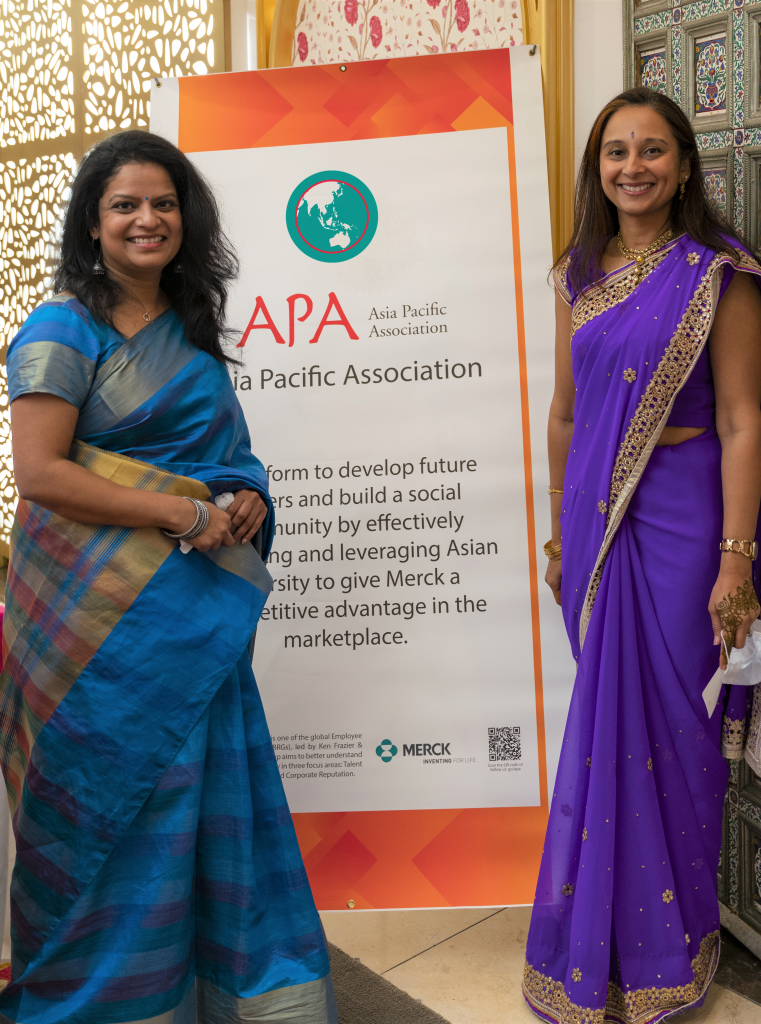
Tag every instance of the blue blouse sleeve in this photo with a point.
(54, 353)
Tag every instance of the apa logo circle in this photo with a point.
(332, 216)
(386, 750)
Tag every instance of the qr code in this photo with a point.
(505, 743)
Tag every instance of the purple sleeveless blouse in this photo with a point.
(695, 405)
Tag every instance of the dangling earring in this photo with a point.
(681, 188)
(97, 267)
(178, 268)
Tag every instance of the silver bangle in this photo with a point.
(200, 524)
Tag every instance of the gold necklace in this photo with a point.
(640, 255)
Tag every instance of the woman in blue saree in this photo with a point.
(654, 435)
(157, 877)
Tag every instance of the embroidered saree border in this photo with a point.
(619, 285)
(655, 407)
(642, 1006)
(560, 277)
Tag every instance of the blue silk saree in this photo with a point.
(625, 925)
(157, 877)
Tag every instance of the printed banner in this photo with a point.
(391, 221)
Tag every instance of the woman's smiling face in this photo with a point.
(640, 166)
(140, 225)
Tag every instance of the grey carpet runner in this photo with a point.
(364, 997)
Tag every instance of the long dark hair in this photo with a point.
(208, 262)
(596, 217)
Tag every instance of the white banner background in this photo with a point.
(446, 676)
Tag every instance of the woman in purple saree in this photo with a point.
(654, 433)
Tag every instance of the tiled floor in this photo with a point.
(467, 964)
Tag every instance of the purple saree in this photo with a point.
(625, 926)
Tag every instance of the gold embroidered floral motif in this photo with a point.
(567, 889)
(589, 762)
(549, 997)
(618, 287)
(584, 834)
(649, 764)
(687, 938)
(602, 507)
(576, 974)
(630, 376)
(693, 258)
(668, 896)
(732, 738)
(640, 1006)
(732, 610)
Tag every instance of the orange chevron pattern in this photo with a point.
(429, 858)
(479, 857)
(369, 100)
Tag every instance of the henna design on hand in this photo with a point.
(732, 610)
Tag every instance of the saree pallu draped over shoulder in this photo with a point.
(625, 925)
(158, 879)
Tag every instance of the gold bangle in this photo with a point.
(553, 490)
(552, 551)
(729, 545)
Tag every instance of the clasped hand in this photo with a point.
(238, 523)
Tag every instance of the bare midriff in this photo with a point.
(675, 435)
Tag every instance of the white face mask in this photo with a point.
(743, 668)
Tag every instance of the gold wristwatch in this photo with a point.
(749, 548)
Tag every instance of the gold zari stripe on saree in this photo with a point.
(128, 472)
(640, 1006)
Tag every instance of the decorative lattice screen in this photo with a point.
(71, 73)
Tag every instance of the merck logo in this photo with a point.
(425, 749)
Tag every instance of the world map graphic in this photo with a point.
(332, 216)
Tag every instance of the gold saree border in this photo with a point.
(310, 1002)
(560, 278)
(617, 286)
(641, 1006)
(129, 472)
(655, 407)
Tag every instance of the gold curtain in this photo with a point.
(549, 24)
